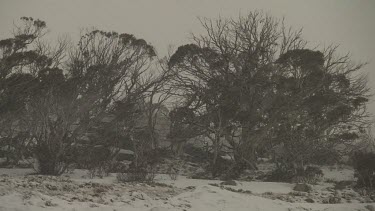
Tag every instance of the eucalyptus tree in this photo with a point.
(239, 80)
(226, 77)
(324, 100)
(20, 58)
(66, 98)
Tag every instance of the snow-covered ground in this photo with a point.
(75, 191)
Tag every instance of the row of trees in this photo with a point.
(245, 85)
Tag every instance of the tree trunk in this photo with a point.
(246, 149)
(136, 154)
(216, 148)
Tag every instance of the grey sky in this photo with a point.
(350, 23)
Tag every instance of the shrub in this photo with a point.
(281, 174)
(223, 168)
(234, 171)
(364, 165)
(197, 154)
(341, 185)
(137, 175)
(50, 162)
(309, 174)
(143, 170)
(97, 159)
(201, 175)
(173, 172)
(229, 182)
(98, 171)
(302, 187)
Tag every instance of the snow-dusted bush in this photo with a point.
(137, 175)
(143, 168)
(309, 174)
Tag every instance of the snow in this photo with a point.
(16, 172)
(126, 152)
(254, 187)
(74, 191)
(338, 174)
(214, 198)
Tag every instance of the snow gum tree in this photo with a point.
(252, 82)
(64, 92)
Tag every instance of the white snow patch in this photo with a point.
(200, 196)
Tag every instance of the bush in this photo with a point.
(201, 175)
(197, 154)
(97, 159)
(364, 165)
(50, 162)
(302, 187)
(98, 171)
(224, 169)
(144, 169)
(173, 172)
(235, 171)
(137, 175)
(281, 173)
(229, 182)
(309, 174)
(341, 185)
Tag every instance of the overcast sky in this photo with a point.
(350, 23)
